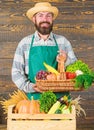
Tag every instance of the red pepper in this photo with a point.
(70, 75)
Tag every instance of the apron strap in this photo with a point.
(32, 40)
(55, 40)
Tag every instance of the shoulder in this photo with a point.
(61, 39)
(25, 41)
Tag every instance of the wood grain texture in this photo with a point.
(75, 21)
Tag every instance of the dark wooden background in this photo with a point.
(75, 21)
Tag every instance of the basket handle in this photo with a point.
(61, 65)
(61, 60)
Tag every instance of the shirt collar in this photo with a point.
(37, 38)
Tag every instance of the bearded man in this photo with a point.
(41, 46)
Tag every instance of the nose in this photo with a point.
(45, 18)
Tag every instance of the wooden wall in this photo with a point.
(75, 21)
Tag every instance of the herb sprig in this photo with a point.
(47, 99)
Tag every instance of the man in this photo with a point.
(36, 48)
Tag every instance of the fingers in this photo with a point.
(62, 56)
(58, 58)
(61, 52)
(37, 89)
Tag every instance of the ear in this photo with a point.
(33, 19)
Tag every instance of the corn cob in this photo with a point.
(50, 68)
(54, 107)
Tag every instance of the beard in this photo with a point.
(44, 30)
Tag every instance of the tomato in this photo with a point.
(70, 75)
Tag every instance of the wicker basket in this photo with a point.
(60, 85)
(57, 85)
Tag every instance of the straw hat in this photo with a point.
(42, 6)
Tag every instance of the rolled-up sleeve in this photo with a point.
(19, 76)
(71, 58)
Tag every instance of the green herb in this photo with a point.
(84, 80)
(78, 65)
(92, 75)
(47, 99)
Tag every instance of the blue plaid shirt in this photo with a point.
(20, 62)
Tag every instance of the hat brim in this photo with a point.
(30, 13)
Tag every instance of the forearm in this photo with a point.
(71, 57)
(19, 69)
(21, 81)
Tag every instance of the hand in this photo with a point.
(37, 89)
(62, 56)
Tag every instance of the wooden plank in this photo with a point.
(7, 50)
(5, 67)
(41, 125)
(73, 32)
(18, 15)
(65, 15)
(70, 31)
(84, 122)
(52, 1)
(3, 127)
(74, 9)
(81, 15)
(6, 88)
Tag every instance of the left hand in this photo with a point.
(37, 89)
(62, 56)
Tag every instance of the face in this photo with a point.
(43, 22)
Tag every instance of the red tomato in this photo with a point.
(70, 75)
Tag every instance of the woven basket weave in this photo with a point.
(56, 85)
(60, 85)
